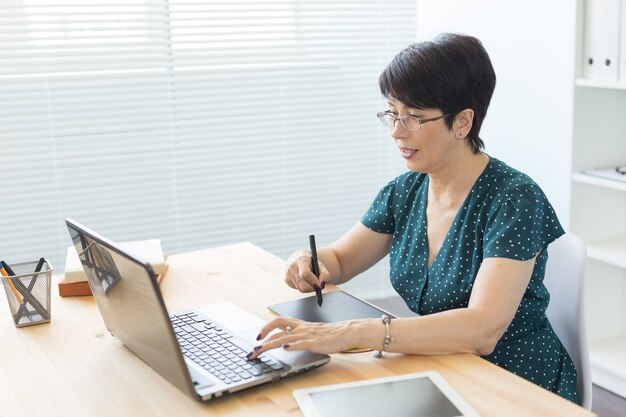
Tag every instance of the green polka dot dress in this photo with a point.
(504, 215)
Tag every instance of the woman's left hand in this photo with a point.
(302, 335)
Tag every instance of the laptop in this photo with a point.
(201, 351)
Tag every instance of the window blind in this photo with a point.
(201, 123)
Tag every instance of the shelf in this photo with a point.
(613, 85)
(608, 364)
(611, 251)
(599, 181)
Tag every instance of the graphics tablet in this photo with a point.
(338, 306)
(424, 394)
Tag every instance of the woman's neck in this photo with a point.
(458, 177)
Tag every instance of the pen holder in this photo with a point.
(28, 292)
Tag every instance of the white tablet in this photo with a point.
(410, 395)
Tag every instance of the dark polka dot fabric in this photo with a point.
(505, 215)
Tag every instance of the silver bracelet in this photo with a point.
(389, 339)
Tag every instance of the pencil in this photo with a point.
(10, 282)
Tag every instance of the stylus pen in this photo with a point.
(316, 269)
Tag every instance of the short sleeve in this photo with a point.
(379, 217)
(521, 226)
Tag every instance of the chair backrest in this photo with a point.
(564, 278)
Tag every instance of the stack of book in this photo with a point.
(74, 282)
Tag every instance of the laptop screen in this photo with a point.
(130, 303)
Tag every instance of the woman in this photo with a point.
(466, 233)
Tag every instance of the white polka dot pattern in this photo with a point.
(505, 215)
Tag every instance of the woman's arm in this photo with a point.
(356, 251)
(496, 295)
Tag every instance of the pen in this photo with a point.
(315, 268)
(40, 264)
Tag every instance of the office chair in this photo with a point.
(564, 278)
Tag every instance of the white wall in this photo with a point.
(532, 48)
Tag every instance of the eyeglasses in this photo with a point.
(410, 123)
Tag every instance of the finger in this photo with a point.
(298, 274)
(309, 280)
(293, 277)
(289, 279)
(271, 337)
(304, 280)
(312, 280)
(278, 323)
(291, 269)
(324, 276)
(301, 344)
(276, 341)
(291, 343)
(308, 283)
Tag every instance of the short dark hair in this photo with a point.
(451, 73)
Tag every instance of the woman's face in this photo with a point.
(427, 150)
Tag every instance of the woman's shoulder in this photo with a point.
(506, 181)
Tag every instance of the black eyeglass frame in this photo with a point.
(381, 116)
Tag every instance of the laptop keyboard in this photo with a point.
(210, 346)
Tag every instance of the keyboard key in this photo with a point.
(198, 326)
(245, 374)
(188, 329)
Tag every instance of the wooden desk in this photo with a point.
(73, 367)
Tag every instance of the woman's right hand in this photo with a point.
(299, 274)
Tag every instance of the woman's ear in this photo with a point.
(463, 123)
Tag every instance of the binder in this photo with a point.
(622, 44)
(601, 40)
